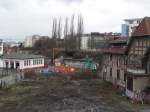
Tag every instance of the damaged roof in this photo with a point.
(143, 29)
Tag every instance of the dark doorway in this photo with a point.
(110, 72)
(130, 83)
(118, 74)
(17, 65)
(12, 65)
(6, 64)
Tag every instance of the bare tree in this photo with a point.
(59, 32)
(72, 26)
(54, 32)
(80, 29)
(54, 29)
(72, 39)
(66, 33)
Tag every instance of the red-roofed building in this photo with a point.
(137, 77)
(143, 29)
(127, 64)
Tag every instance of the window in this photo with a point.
(38, 62)
(137, 43)
(141, 43)
(125, 77)
(145, 43)
(118, 74)
(25, 63)
(33, 62)
(111, 57)
(110, 72)
(148, 43)
(29, 62)
(41, 61)
(117, 61)
(125, 61)
(130, 22)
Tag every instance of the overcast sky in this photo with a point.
(21, 18)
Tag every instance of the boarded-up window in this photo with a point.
(110, 72)
(124, 77)
(118, 74)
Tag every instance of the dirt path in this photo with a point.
(57, 95)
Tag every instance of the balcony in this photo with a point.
(136, 71)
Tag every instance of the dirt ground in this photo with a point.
(57, 94)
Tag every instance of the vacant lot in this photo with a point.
(57, 94)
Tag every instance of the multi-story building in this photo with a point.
(101, 40)
(97, 41)
(114, 63)
(137, 75)
(85, 41)
(30, 41)
(128, 64)
(129, 27)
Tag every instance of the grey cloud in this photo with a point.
(7, 4)
(13, 4)
(137, 1)
(71, 1)
(27, 17)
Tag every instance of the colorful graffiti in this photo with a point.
(60, 68)
(67, 67)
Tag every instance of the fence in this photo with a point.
(9, 77)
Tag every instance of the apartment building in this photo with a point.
(30, 40)
(129, 27)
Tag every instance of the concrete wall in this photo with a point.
(140, 83)
(10, 79)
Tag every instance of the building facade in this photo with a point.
(114, 63)
(137, 75)
(114, 68)
(129, 27)
(97, 40)
(30, 41)
(21, 61)
(85, 39)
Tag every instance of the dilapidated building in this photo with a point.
(137, 75)
(114, 63)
